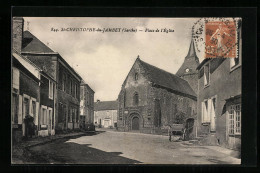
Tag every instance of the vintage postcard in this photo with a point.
(126, 90)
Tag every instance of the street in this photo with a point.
(111, 147)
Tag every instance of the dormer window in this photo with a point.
(136, 76)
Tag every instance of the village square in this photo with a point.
(156, 116)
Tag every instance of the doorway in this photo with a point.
(135, 123)
(189, 128)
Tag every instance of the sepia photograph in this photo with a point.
(126, 90)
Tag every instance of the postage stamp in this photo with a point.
(217, 37)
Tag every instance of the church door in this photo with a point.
(135, 123)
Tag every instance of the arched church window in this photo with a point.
(136, 99)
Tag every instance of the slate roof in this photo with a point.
(191, 62)
(33, 44)
(105, 105)
(167, 80)
(83, 83)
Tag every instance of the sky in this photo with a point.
(103, 60)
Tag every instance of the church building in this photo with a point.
(151, 99)
(188, 71)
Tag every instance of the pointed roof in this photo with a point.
(191, 62)
(192, 51)
(167, 80)
(33, 45)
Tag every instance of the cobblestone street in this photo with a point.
(111, 147)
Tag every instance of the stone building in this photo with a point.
(66, 95)
(33, 91)
(219, 99)
(106, 114)
(151, 99)
(25, 95)
(188, 70)
(86, 105)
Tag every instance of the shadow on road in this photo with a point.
(62, 152)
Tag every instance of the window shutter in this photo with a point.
(20, 110)
(203, 112)
(209, 110)
(47, 117)
(30, 108)
(37, 113)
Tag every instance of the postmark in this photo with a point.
(216, 37)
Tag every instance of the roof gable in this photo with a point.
(33, 44)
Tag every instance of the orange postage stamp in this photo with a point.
(220, 39)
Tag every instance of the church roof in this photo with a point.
(33, 44)
(167, 80)
(105, 105)
(191, 62)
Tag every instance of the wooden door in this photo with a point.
(135, 123)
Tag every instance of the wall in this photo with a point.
(126, 101)
(223, 84)
(68, 99)
(192, 79)
(17, 33)
(29, 86)
(46, 101)
(87, 103)
(110, 115)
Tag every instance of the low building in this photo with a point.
(151, 99)
(105, 114)
(25, 95)
(86, 105)
(219, 99)
(33, 91)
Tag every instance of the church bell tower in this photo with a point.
(188, 71)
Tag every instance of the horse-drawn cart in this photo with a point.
(175, 131)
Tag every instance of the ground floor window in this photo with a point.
(44, 116)
(235, 119)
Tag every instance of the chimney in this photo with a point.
(17, 33)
